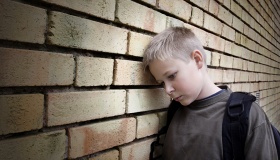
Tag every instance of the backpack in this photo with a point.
(234, 127)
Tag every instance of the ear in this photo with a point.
(197, 56)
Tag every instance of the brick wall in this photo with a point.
(72, 85)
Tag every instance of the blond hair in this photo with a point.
(174, 42)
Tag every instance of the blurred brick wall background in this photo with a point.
(72, 85)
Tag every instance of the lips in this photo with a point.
(178, 98)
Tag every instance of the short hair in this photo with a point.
(174, 42)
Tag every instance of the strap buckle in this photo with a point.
(236, 108)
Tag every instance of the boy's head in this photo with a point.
(176, 59)
(174, 42)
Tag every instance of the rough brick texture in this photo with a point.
(71, 31)
(99, 136)
(147, 125)
(35, 68)
(93, 71)
(110, 155)
(137, 150)
(138, 100)
(21, 112)
(134, 14)
(100, 8)
(137, 43)
(73, 107)
(21, 22)
(43, 146)
(131, 73)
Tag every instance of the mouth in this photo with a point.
(178, 98)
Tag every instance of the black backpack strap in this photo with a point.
(235, 125)
(276, 135)
(173, 107)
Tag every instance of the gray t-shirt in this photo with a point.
(195, 132)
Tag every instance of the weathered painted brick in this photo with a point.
(228, 76)
(251, 66)
(228, 32)
(96, 137)
(197, 16)
(202, 3)
(227, 3)
(208, 57)
(245, 65)
(236, 50)
(100, 8)
(109, 155)
(244, 76)
(237, 63)
(137, 43)
(238, 37)
(225, 15)
(147, 125)
(75, 32)
(179, 8)
(92, 71)
(252, 76)
(212, 24)
(151, 2)
(216, 59)
(237, 24)
(35, 68)
(20, 113)
(139, 100)
(136, 150)
(43, 146)
(228, 45)
(235, 87)
(213, 7)
(64, 108)
(134, 14)
(245, 87)
(21, 22)
(216, 75)
(131, 73)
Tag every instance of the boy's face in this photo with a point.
(182, 81)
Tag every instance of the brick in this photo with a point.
(139, 100)
(237, 63)
(236, 50)
(92, 71)
(237, 37)
(226, 61)
(237, 24)
(134, 14)
(227, 3)
(201, 35)
(43, 146)
(75, 32)
(251, 66)
(236, 8)
(216, 59)
(96, 137)
(201, 3)
(151, 2)
(208, 57)
(252, 77)
(245, 87)
(136, 150)
(147, 125)
(228, 45)
(236, 87)
(228, 76)
(100, 8)
(216, 75)
(64, 108)
(244, 76)
(173, 22)
(216, 42)
(20, 113)
(245, 65)
(137, 43)
(197, 16)
(213, 7)
(228, 32)
(225, 15)
(21, 22)
(179, 8)
(131, 73)
(110, 155)
(212, 24)
(35, 68)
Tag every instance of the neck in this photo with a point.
(208, 88)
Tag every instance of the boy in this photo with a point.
(176, 59)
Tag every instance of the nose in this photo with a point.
(168, 88)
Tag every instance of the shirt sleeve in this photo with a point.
(260, 143)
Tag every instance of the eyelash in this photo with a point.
(170, 77)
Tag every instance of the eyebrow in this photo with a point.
(166, 73)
